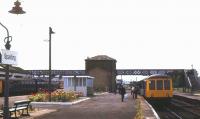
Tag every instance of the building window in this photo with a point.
(89, 82)
(69, 82)
(76, 79)
(79, 81)
(73, 81)
(84, 81)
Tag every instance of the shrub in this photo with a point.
(79, 94)
(38, 97)
(57, 96)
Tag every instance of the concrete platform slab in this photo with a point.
(101, 106)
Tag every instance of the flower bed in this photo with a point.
(56, 96)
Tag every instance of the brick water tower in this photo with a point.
(103, 68)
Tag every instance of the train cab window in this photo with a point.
(152, 85)
(159, 84)
(167, 84)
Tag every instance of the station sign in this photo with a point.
(8, 57)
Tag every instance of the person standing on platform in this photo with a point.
(123, 92)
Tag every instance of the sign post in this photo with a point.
(8, 57)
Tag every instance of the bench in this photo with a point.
(20, 105)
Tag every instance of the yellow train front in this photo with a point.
(156, 87)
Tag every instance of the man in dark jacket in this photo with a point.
(123, 92)
(135, 92)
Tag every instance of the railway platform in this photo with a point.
(188, 97)
(195, 96)
(103, 106)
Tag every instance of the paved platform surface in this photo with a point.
(195, 96)
(106, 106)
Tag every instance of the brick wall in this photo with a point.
(101, 81)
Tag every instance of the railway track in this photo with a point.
(177, 109)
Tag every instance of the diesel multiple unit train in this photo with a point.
(23, 83)
(156, 87)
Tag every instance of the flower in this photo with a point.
(57, 96)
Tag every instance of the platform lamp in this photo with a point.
(15, 10)
(50, 74)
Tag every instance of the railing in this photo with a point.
(188, 79)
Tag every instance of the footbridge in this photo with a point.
(188, 75)
(144, 72)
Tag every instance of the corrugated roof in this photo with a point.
(12, 69)
(101, 57)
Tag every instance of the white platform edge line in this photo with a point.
(59, 103)
(80, 101)
(154, 112)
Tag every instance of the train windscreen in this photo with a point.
(152, 85)
(159, 84)
(167, 84)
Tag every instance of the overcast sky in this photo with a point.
(137, 33)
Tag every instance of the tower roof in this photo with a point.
(101, 57)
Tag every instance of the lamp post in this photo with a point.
(50, 32)
(7, 40)
(15, 10)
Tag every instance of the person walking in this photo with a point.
(123, 92)
(119, 89)
(135, 92)
(132, 89)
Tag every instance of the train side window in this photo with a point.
(152, 85)
(159, 84)
(167, 84)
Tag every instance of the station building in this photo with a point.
(103, 68)
(82, 84)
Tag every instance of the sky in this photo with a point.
(139, 34)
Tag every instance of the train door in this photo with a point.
(171, 88)
(150, 92)
(167, 87)
(159, 88)
(1, 87)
